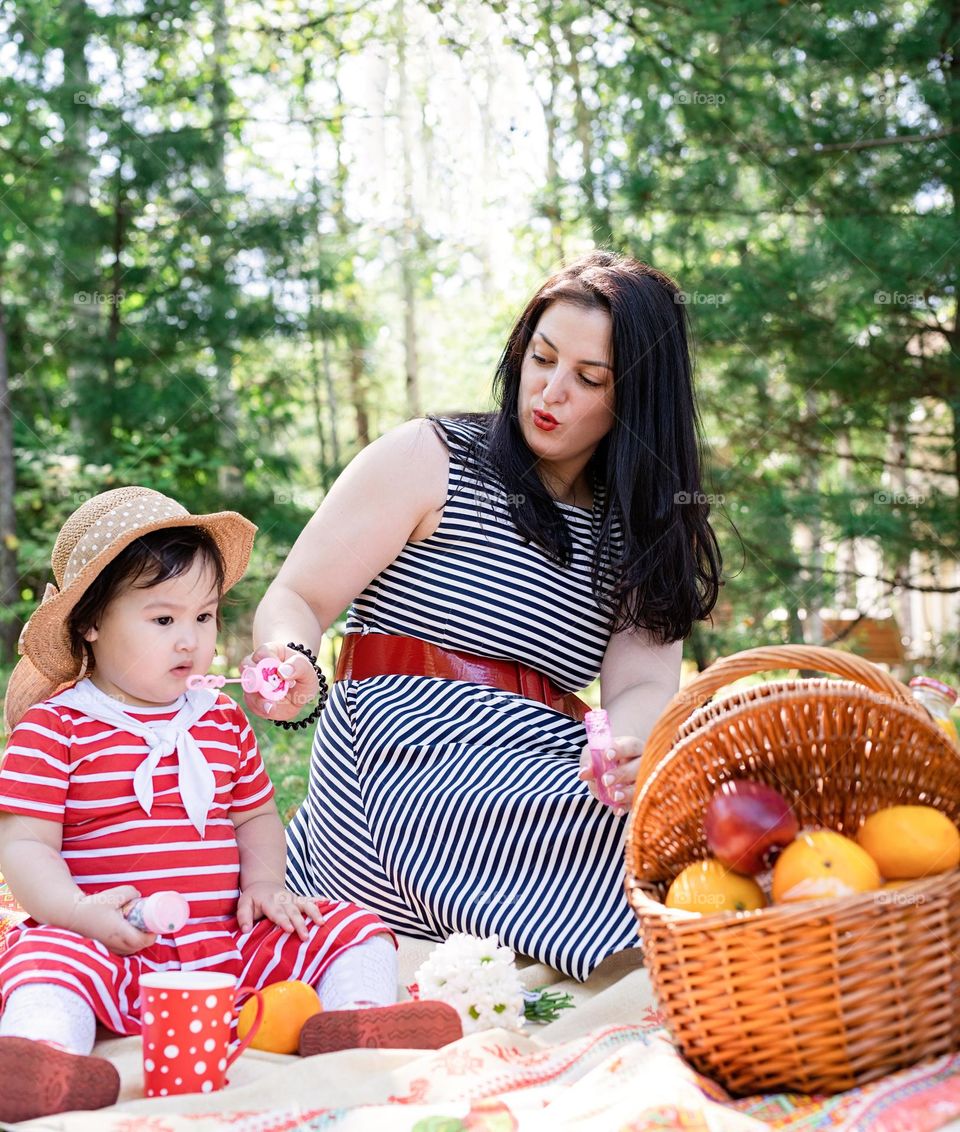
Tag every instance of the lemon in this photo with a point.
(706, 886)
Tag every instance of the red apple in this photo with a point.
(747, 824)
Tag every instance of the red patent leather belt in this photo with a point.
(382, 654)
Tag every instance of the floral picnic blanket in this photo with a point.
(617, 1077)
(608, 1064)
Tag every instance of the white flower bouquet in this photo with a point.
(477, 977)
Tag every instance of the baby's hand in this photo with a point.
(99, 916)
(304, 690)
(283, 908)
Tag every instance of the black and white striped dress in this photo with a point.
(446, 806)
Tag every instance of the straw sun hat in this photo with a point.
(90, 539)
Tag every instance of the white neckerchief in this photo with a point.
(195, 779)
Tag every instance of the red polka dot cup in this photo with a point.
(187, 1018)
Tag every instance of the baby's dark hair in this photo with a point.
(147, 561)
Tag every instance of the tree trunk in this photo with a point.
(316, 396)
(78, 251)
(225, 396)
(9, 577)
(356, 367)
(846, 589)
(598, 213)
(408, 241)
(813, 599)
(113, 331)
(411, 377)
(331, 404)
(321, 376)
(950, 44)
(317, 302)
(358, 393)
(908, 565)
(488, 166)
(795, 634)
(553, 209)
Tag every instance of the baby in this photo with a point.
(117, 783)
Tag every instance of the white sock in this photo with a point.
(363, 975)
(46, 1012)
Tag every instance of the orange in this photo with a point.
(911, 841)
(706, 886)
(286, 1006)
(822, 863)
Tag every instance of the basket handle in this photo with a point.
(746, 663)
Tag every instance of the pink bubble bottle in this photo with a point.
(162, 913)
(599, 741)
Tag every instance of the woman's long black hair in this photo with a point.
(657, 565)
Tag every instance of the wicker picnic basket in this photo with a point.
(823, 995)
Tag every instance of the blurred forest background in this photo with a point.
(240, 240)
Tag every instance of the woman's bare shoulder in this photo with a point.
(413, 446)
(410, 463)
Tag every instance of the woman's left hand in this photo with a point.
(620, 780)
(283, 908)
(304, 687)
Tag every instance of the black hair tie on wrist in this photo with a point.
(296, 724)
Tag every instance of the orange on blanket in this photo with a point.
(286, 1006)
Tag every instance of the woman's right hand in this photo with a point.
(305, 689)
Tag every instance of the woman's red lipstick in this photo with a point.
(544, 420)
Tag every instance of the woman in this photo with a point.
(495, 564)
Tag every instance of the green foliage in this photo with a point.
(544, 1005)
(188, 309)
(286, 755)
(797, 168)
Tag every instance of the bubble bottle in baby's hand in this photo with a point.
(163, 913)
(938, 699)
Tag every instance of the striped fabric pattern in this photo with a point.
(476, 586)
(63, 766)
(447, 806)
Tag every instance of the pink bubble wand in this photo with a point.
(268, 677)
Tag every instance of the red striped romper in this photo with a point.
(62, 766)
